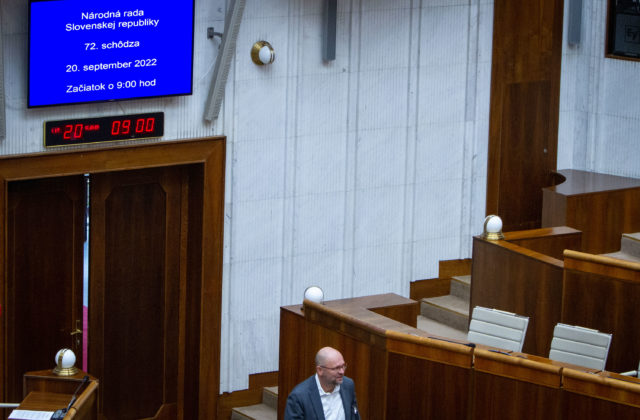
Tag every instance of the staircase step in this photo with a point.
(254, 412)
(461, 287)
(449, 310)
(439, 329)
(630, 244)
(270, 396)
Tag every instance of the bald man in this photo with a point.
(327, 395)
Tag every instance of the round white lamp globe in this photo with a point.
(314, 294)
(65, 361)
(266, 55)
(492, 228)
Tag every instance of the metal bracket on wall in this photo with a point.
(223, 61)
(330, 17)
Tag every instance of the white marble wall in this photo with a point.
(600, 103)
(357, 175)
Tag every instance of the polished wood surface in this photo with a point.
(538, 240)
(420, 289)
(603, 293)
(402, 372)
(519, 280)
(523, 119)
(198, 356)
(135, 289)
(388, 305)
(509, 387)
(45, 401)
(46, 391)
(602, 206)
(606, 395)
(582, 289)
(46, 220)
(440, 286)
(348, 325)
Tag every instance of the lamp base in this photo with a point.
(493, 236)
(65, 371)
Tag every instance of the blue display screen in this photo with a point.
(105, 50)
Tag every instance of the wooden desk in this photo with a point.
(45, 401)
(602, 206)
(45, 391)
(401, 372)
(511, 277)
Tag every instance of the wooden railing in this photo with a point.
(401, 372)
(574, 288)
(523, 274)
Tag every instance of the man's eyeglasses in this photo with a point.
(335, 369)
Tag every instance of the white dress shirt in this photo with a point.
(331, 402)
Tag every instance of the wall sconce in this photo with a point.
(314, 294)
(492, 228)
(262, 53)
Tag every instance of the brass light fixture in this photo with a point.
(314, 294)
(492, 228)
(65, 361)
(262, 53)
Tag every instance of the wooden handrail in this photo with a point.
(526, 252)
(84, 396)
(444, 344)
(601, 259)
(518, 361)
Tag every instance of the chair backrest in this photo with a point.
(496, 328)
(580, 346)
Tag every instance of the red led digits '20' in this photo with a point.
(104, 129)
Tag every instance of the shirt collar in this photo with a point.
(322, 392)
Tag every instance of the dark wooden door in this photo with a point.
(138, 229)
(156, 342)
(523, 122)
(45, 237)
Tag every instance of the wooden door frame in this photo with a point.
(210, 152)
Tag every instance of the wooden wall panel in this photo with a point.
(498, 397)
(135, 294)
(508, 387)
(198, 388)
(45, 237)
(602, 206)
(425, 378)
(523, 122)
(518, 280)
(588, 396)
(609, 305)
(294, 362)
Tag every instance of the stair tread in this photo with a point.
(272, 389)
(622, 256)
(438, 328)
(257, 412)
(450, 303)
(466, 279)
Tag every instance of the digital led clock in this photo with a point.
(103, 129)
